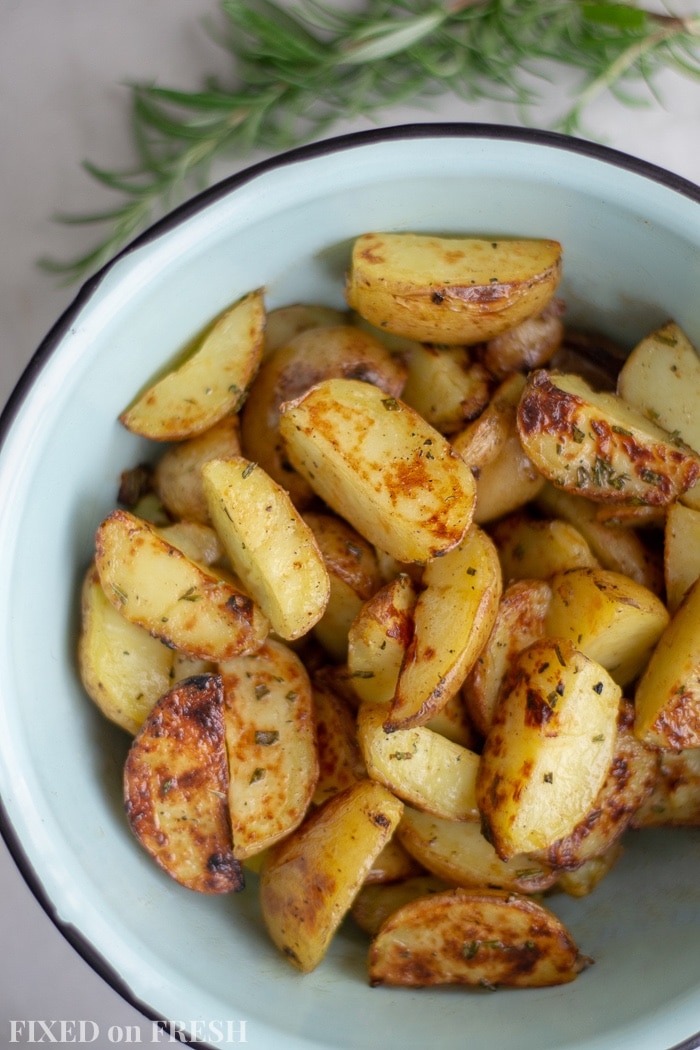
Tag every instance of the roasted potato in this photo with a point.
(377, 901)
(450, 290)
(530, 344)
(674, 800)
(340, 761)
(177, 475)
(681, 552)
(482, 938)
(269, 545)
(377, 464)
(549, 748)
(378, 639)
(309, 880)
(596, 445)
(154, 585)
(210, 383)
(445, 385)
(537, 548)
(271, 745)
(176, 784)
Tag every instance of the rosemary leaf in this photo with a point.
(295, 71)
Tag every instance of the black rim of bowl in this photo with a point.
(335, 144)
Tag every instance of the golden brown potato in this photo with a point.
(681, 552)
(549, 747)
(197, 542)
(309, 880)
(596, 445)
(269, 545)
(674, 800)
(445, 385)
(376, 902)
(154, 585)
(271, 744)
(123, 668)
(457, 852)
(175, 787)
(530, 344)
(630, 779)
(450, 290)
(537, 548)
(609, 617)
(582, 881)
(212, 381)
(177, 475)
(339, 756)
(667, 697)
(520, 621)
(377, 464)
(290, 371)
(286, 322)
(482, 938)
(392, 864)
(378, 639)
(420, 766)
(453, 617)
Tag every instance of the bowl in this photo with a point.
(631, 237)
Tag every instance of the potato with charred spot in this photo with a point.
(549, 747)
(450, 289)
(485, 939)
(175, 785)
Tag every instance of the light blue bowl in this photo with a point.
(631, 236)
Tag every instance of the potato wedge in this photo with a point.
(674, 801)
(289, 372)
(445, 385)
(581, 881)
(210, 383)
(481, 938)
(177, 475)
(376, 902)
(450, 289)
(537, 548)
(175, 785)
(681, 552)
(271, 548)
(453, 618)
(285, 322)
(609, 617)
(340, 759)
(309, 881)
(420, 766)
(380, 466)
(392, 864)
(549, 747)
(520, 621)
(530, 344)
(123, 668)
(667, 697)
(154, 585)
(630, 779)
(458, 853)
(197, 542)
(271, 745)
(616, 548)
(596, 445)
(378, 639)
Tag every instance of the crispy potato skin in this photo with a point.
(486, 939)
(175, 784)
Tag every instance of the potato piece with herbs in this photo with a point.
(667, 697)
(177, 475)
(123, 668)
(153, 584)
(594, 444)
(210, 383)
(537, 548)
(549, 747)
(284, 323)
(271, 548)
(450, 290)
(376, 902)
(175, 787)
(453, 617)
(530, 344)
(378, 639)
(674, 801)
(457, 852)
(271, 745)
(609, 617)
(681, 552)
(309, 880)
(340, 759)
(445, 385)
(422, 767)
(480, 938)
(380, 466)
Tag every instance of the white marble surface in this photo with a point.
(63, 64)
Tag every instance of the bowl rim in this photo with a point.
(199, 202)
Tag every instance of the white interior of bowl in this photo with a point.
(631, 260)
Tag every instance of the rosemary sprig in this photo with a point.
(296, 71)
